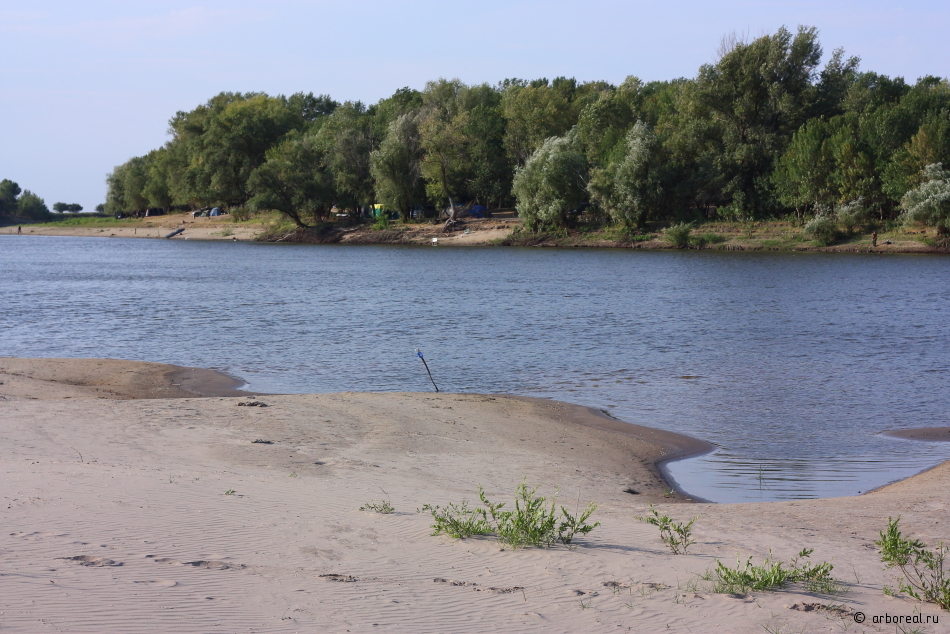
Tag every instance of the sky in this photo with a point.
(84, 86)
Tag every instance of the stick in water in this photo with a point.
(419, 354)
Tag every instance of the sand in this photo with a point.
(117, 516)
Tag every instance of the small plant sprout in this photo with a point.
(923, 569)
(230, 492)
(293, 474)
(676, 535)
(384, 506)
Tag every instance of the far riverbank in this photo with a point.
(497, 231)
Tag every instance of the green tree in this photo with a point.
(443, 126)
(929, 202)
(803, 174)
(754, 98)
(551, 183)
(32, 206)
(60, 207)
(603, 123)
(835, 82)
(490, 168)
(8, 197)
(156, 190)
(294, 180)
(348, 137)
(236, 142)
(396, 166)
(630, 188)
(534, 112)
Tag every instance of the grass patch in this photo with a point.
(89, 221)
(678, 536)
(923, 569)
(534, 521)
(524, 237)
(709, 237)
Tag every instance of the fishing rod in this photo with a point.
(419, 354)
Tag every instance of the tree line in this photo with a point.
(23, 203)
(763, 132)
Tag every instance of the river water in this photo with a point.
(790, 363)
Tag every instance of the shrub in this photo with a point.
(676, 535)
(678, 235)
(770, 575)
(923, 569)
(929, 203)
(852, 215)
(239, 213)
(457, 520)
(533, 522)
(822, 229)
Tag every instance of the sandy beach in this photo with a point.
(144, 497)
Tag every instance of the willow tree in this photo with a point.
(929, 202)
(630, 187)
(551, 183)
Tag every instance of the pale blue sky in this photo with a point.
(86, 85)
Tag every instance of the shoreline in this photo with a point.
(474, 232)
(63, 378)
(75, 378)
(670, 446)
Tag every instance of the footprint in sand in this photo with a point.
(35, 535)
(477, 588)
(202, 563)
(158, 584)
(323, 553)
(89, 560)
(212, 565)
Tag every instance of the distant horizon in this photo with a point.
(87, 87)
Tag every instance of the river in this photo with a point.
(790, 363)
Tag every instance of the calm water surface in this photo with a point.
(789, 363)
